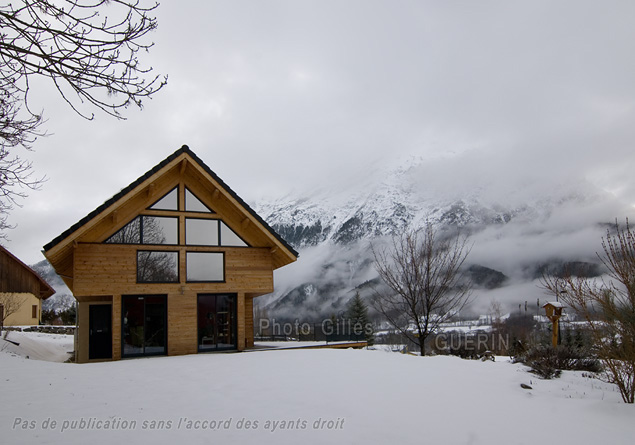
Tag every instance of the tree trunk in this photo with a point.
(422, 342)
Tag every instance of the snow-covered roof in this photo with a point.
(553, 303)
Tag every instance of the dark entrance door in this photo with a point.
(216, 322)
(99, 331)
(144, 325)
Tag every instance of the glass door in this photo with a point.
(144, 325)
(216, 322)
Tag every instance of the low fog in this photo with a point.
(563, 227)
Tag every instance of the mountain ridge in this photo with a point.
(534, 225)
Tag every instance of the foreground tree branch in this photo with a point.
(89, 49)
(608, 308)
(90, 56)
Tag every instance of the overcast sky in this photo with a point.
(277, 96)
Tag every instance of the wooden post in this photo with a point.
(554, 333)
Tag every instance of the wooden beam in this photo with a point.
(114, 217)
(274, 249)
(183, 166)
(215, 194)
(245, 223)
(150, 190)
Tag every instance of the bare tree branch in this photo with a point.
(94, 57)
(11, 303)
(89, 49)
(608, 308)
(422, 274)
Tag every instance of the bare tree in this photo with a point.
(424, 284)
(10, 303)
(608, 307)
(88, 49)
(15, 177)
(15, 130)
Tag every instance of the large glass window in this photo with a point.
(148, 230)
(201, 232)
(216, 322)
(143, 325)
(205, 266)
(157, 266)
(210, 232)
(159, 230)
(165, 230)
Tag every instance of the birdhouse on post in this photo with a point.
(554, 312)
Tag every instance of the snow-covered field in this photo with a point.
(37, 345)
(314, 396)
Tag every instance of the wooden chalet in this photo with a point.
(21, 291)
(168, 266)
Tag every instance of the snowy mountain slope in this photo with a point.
(388, 199)
(518, 227)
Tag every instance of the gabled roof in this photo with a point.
(69, 236)
(45, 289)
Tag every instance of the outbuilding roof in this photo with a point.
(553, 303)
(45, 289)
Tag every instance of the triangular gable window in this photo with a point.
(128, 234)
(193, 204)
(229, 238)
(170, 201)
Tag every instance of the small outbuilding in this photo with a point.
(553, 309)
(21, 292)
(170, 265)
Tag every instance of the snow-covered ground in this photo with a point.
(37, 345)
(260, 345)
(314, 396)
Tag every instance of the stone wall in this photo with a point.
(66, 330)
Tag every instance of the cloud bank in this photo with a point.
(279, 96)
